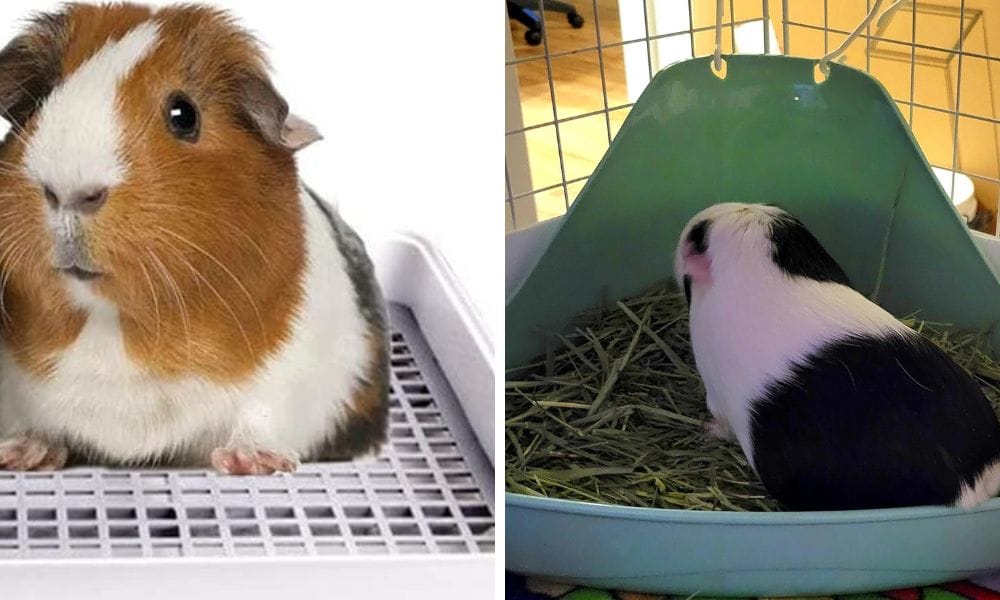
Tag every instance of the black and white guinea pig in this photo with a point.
(836, 403)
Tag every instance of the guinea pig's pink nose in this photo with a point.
(87, 201)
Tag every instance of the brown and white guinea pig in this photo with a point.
(836, 404)
(172, 294)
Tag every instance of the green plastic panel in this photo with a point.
(836, 154)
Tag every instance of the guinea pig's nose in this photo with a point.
(87, 201)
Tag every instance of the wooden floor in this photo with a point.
(577, 87)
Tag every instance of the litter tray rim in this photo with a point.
(731, 517)
(449, 319)
(180, 561)
(248, 578)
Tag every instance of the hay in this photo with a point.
(614, 413)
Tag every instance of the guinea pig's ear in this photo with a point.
(297, 133)
(268, 112)
(697, 264)
(30, 67)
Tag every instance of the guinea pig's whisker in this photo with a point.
(171, 284)
(16, 131)
(18, 225)
(13, 171)
(12, 246)
(228, 227)
(156, 301)
(27, 187)
(18, 165)
(4, 314)
(215, 292)
(11, 221)
(16, 260)
(221, 265)
(141, 131)
(154, 178)
(133, 251)
(145, 124)
(14, 233)
(20, 214)
(14, 253)
(20, 84)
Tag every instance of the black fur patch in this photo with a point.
(798, 252)
(354, 437)
(31, 65)
(698, 236)
(687, 288)
(873, 423)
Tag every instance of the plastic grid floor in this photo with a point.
(431, 491)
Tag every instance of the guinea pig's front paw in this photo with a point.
(31, 453)
(716, 429)
(244, 461)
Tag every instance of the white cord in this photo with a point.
(824, 63)
(717, 58)
(888, 13)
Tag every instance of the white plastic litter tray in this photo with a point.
(416, 523)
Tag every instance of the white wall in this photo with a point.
(408, 99)
(663, 17)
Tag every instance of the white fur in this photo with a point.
(99, 396)
(987, 486)
(753, 322)
(76, 144)
(83, 296)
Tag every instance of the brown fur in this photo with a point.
(182, 240)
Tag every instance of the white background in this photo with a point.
(408, 98)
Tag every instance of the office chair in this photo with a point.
(525, 12)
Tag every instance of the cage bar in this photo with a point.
(791, 25)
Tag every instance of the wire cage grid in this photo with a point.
(933, 57)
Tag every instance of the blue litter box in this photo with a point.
(751, 554)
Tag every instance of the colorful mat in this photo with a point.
(533, 588)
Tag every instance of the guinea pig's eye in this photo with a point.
(182, 117)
